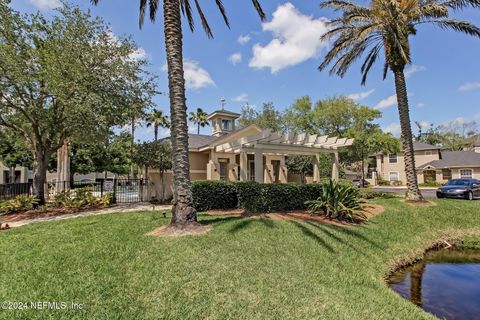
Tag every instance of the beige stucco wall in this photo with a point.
(421, 157)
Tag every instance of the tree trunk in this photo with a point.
(155, 131)
(183, 212)
(198, 128)
(413, 192)
(40, 163)
(132, 146)
(162, 182)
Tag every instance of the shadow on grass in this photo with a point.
(309, 233)
(350, 232)
(218, 220)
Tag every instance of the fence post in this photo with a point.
(114, 200)
(141, 190)
(101, 189)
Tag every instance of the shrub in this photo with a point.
(208, 195)
(368, 194)
(255, 197)
(382, 182)
(20, 203)
(336, 201)
(81, 197)
(396, 183)
(430, 184)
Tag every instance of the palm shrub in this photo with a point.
(336, 201)
(19, 203)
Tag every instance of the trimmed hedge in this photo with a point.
(254, 197)
(211, 195)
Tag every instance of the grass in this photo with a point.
(244, 269)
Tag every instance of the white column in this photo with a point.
(335, 173)
(243, 166)
(259, 166)
(316, 168)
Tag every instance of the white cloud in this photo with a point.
(387, 102)
(413, 69)
(235, 58)
(469, 86)
(46, 4)
(420, 105)
(242, 39)
(241, 98)
(139, 54)
(393, 128)
(360, 95)
(296, 38)
(195, 76)
(424, 125)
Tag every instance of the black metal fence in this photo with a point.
(12, 190)
(122, 190)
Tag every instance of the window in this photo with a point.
(466, 173)
(226, 124)
(223, 168)
(393, 176)
(446, 174)
(251, 170)
(392, 158)
(428, 153)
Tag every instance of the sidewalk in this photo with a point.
(131, 207)
(402, 187)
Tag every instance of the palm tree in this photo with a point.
(386, 25)
(199, 118)
(183, 212)
(157, 119)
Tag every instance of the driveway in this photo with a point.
(427, 193)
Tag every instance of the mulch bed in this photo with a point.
(369, 210)
(50, 212)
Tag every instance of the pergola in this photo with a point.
(282, 143)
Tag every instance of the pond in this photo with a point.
(445, 283)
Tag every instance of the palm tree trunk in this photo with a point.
(155, 129)
(413, 192)
(183, 212)
(198, 128)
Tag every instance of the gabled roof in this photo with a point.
(451, 159)
(417, 146)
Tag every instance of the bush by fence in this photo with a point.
(253, 197)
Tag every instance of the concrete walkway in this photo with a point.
(131, 207)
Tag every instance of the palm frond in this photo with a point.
(187, 11)
(337, 5)
(369, 61)
(153, 9)
(259, 9)
(460, 4)
(143, 4)
(459, 25)
(203, 19)
(221, 7)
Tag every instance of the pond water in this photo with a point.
(445, 283)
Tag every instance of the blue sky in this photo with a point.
(277, 61)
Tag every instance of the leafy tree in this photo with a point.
(385, 27)
(64, 78)
(268, 118)
(157, 119)
(183, 213)
(155, 155)
(199, 118)
(301, 165)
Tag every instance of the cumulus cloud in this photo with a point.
(243, 97)
(469, 86)
(393, 128)
(387, 102)
(413, 69)
(46, 4)
(242, 39)
(139, 54)
(360, 95)
(235, 58)
(296, 38)
(195, 76)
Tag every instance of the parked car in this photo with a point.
(460, 188)
(358, 183)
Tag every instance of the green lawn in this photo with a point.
(244, 269)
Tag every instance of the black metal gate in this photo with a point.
(122, 190)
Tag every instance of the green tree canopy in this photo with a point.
(67, 77)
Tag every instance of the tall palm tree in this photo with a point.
(157, 119)
(199, 118)
(386, 25)
(183, 212)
